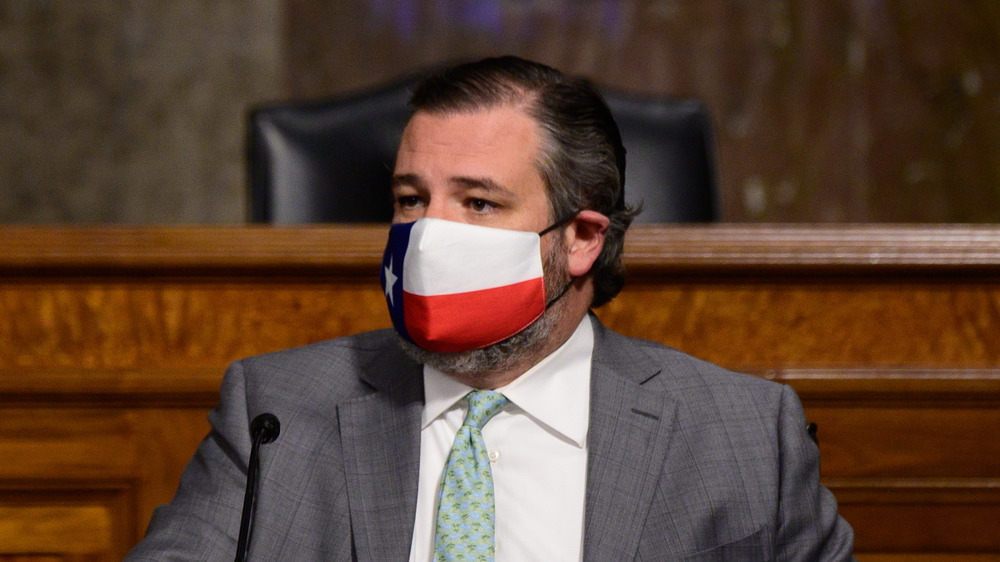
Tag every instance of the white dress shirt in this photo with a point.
(538, 451)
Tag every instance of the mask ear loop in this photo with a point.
(564, 290)
(549, 229)
(559, 223)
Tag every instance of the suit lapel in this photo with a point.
(380, 434)
(627, 444)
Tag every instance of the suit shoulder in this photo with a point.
(376, 341)
(681, 372)
(334, 369)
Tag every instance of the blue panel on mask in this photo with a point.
(392, 261)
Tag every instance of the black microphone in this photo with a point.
(266, 427)
(263, 429)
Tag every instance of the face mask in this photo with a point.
(452, 286)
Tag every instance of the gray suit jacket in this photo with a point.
(686, 461)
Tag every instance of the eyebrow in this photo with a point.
(468, 182)
(407, 179)
(488, 184)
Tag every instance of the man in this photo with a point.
(509, 225)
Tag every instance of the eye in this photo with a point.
(481, 205)
(408, 201)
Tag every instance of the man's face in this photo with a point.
(476, 168)
(479, 168)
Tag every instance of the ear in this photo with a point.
(584, 237)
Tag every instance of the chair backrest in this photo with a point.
(326, 161)
(670, 164)
(332, 161)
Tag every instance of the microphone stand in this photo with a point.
(263, 429)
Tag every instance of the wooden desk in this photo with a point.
(113, 342)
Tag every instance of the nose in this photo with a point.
(439, 208)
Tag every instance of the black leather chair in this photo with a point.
(326, 161)
(332, 161)
(670, 158)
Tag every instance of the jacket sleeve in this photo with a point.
(202, 521)
(808, 527)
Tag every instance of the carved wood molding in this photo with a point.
(355, 250)
(188, 387)
(109, 250)
(965, 491)
(199, 386)
(889, 386)
(870, 248)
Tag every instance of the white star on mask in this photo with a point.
(390, 282)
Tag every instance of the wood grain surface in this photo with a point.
(113, 342)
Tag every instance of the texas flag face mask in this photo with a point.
(452, 286)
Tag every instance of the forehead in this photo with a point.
(489, 139)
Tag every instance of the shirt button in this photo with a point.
(494, 456)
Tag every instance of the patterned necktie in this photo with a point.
(465, 511)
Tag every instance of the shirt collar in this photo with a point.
(555, 392)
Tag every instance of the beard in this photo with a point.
(516, 348)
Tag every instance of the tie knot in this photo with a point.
(483, 405)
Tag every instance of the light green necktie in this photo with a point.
(465, 519)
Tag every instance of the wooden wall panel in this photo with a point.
(818, 322)
(113, 343)
(103, 324)
(909, 455)
(923, 442)
(913, 524)
(89, 469)
(81, 531)
(134, 322)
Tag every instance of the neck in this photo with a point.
(569, 311)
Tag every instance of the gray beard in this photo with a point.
(516, 348)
